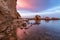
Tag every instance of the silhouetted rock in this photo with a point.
(37, 17)
(54, 18)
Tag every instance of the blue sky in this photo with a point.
(54, 3)
(39, 7)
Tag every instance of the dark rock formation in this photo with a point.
(8, 14)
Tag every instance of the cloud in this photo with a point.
(22, 4)
(32, 5)
(36, 5)
(54, 10)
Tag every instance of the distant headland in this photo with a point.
(38, 17)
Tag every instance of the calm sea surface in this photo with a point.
(40, 30)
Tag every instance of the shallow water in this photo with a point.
(40, 30)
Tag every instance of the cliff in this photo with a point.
(7, 14)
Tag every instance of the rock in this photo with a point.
(8, 7)
(8, 14)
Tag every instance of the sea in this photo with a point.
(40, 30)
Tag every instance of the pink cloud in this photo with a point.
(31, 4)
(23, 4)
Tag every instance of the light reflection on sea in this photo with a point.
(43, 30)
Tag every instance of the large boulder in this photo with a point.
(8, 13)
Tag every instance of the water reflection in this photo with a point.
(47, 21)
(40, 30)
(37, 21)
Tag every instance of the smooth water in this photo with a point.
(40, 30)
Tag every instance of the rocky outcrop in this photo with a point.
(8, 14)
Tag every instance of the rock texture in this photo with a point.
(8, 14)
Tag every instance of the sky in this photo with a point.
(30, 7)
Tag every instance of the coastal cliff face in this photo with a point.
(8, 7)
(8, 13)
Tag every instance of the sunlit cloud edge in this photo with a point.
(53, 10)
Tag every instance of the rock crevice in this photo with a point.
(8, 13)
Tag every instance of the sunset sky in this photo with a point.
(38, 6)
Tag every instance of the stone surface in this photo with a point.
(8, 14)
